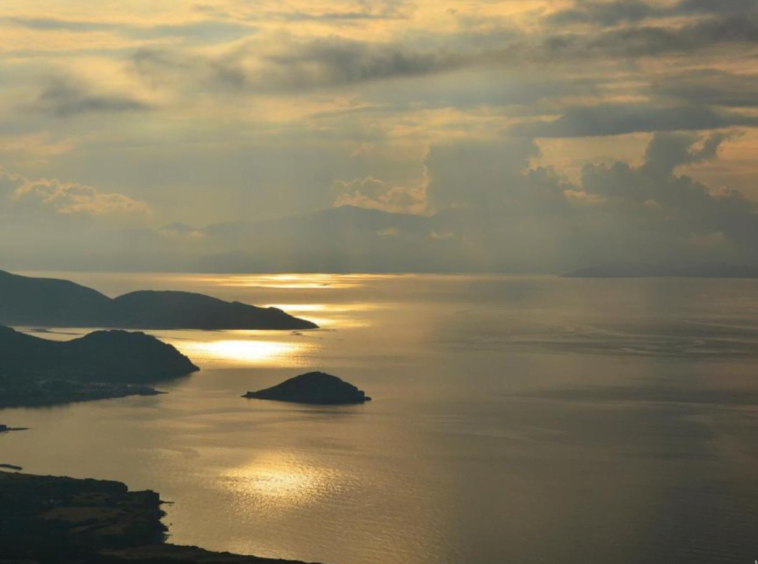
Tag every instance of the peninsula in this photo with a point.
(105, 364)
(48, 302)
(6, 429)
(316, 388)
(54, 520)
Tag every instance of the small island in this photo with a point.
(38, 372)
(317, 388)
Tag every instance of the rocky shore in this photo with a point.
(54, 520)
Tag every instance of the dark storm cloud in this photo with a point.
(63, 98)
(622, 118)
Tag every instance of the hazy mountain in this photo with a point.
(714, 270)
(344, 239)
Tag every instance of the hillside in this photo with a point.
(47, 302)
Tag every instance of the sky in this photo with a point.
(522, 135)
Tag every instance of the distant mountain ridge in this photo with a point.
(716, 270)
(31, 301)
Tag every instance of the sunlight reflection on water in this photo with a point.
(280, 481)
(253, 352)
(290, 281)
(330, 315)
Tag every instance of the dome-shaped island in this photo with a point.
(317, 388)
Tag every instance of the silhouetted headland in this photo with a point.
(716, 270)
(11, 467)
(316, 388)
(101, 365)
(6, 429)
(53, 520)
(60, 303)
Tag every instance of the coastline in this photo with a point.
(51, 519)
(50, 392)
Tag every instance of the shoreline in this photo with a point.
(52, 519)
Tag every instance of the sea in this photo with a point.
(515, 419)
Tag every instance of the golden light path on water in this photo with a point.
(289, 281)
(279, 480)
(245, 351)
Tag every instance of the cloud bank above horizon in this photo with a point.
(531, 135)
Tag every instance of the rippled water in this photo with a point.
(515, 419)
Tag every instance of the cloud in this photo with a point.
(634, 11)
(63, 98)
(181, 232)
(475, 172)
(36, 146)
(604, 13)
(58, 24)
(621, 118)
(709, 87)
(65, 198)
(626, 42)
(285, 63)
(532, 218)
(359, 10)
(666, 153)
(373, 193)
(671, 206)
(208, 31)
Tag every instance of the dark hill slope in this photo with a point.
(60, 303)
(102, 356)
(186, 310)
(47, 301)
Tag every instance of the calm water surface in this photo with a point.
(515, 419)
